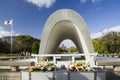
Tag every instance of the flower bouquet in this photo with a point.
(79, 66)
(42, 66)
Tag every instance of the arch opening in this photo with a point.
(67, 46)
(68, 43)
(63, 30)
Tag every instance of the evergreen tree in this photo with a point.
(72, 49)
(35, 48)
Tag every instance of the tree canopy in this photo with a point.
(109, 43)
(22, 43)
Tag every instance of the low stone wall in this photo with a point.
(64, 75)
(8, 75)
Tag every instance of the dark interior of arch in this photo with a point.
(61, 31)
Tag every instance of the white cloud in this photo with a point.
(94, 1)
(117, 28)
(42, 3)
(83, 1)
(4, 33)
(102, 33)
(48, 3)
(96, 35)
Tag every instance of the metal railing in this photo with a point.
(73, 56)
(109, 55)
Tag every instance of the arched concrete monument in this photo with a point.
(65, 24)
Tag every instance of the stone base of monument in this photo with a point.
(82, 76)
(100, 75)
(61, 75)
(87, 76)
(37, 75)
(64, 75)
(25, 75)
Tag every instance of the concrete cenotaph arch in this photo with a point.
(65, 24)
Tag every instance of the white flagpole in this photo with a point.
(11, 35)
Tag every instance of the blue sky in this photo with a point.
(29, 16)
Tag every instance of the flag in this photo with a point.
(8, 22)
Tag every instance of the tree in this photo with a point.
(17, 48)
(72, 49)
(61, 49)
(22, 43)
(4, 47)
(109, 43)
(35, 48)
(110, 39)
(103, 47)
(27, 42)
(96, 45)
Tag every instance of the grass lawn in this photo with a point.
(4, 54)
